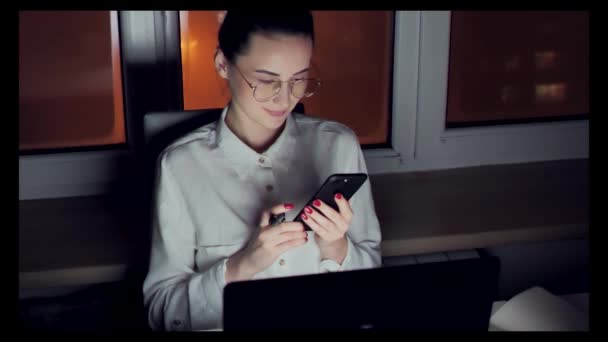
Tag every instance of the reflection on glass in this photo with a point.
(508, 95)
(545, 60)
(70, 86)
(550, 93)
(513, 63)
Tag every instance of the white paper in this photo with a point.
(538, 310)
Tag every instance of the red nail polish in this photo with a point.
(317, 203)
(288, 206)
(308, 210)
(338, 196)
(304, 216)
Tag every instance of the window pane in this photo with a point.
(345, 41)
(198, 30)
(526, 66)
(70, 87)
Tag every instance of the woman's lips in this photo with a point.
(275, 112)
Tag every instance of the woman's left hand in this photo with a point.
(330, 227)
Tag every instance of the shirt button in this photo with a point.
(177, 322)
(261, 160)
(269, 187)
(282, 262)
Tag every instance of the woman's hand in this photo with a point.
(330, 227)
(264, 247)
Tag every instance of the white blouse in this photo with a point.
(211, 191)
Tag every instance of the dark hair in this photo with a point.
(238, 26)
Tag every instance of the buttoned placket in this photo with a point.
(270, 185)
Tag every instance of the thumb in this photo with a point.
(276, 210)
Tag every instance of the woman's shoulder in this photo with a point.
(324, 127)
(198, 141)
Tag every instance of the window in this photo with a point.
(417, 97)
(70, 87)
(510, 67)
(72, 117)
(198, 33)
(421, 91)
(344, 42)
(98, 155)
(353, 57)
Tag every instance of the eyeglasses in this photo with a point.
(267, 90)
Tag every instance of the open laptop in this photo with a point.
(441, 296)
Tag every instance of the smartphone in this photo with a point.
(346, 184)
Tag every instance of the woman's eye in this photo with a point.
(267, 81)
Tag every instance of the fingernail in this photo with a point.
(317, 203)
(338, 196)
(308, 210)
(288, 206)
(304, 216)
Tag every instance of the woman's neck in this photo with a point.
(254, 135)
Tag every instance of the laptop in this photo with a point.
(452, 295)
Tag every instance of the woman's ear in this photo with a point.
(221, 64)
(220, 16)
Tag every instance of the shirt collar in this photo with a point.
(245, 159)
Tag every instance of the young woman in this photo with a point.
(218, 186)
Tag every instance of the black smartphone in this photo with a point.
(346, 184)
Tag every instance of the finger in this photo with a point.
(344, 206)
(277, 209)
(284, 227)
(281, 238)
(273, 232)
(329, 213)
(289, 227)
(315, 226)
(264, 221)
(281, 248)
(332, 228)
(281, 208)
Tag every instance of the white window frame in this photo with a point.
(419, 139)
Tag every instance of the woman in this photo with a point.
(218, 186)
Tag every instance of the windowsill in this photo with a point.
(482, 206)
(80, 241)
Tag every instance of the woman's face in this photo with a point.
(277, 57)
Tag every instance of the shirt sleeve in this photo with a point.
(363, 235)
(176, 296)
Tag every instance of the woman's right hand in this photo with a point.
(266, 246)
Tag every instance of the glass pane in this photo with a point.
(518, 66)
(202, 86)
(345, 41)
(70, 86)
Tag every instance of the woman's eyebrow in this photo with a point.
(262, 71)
